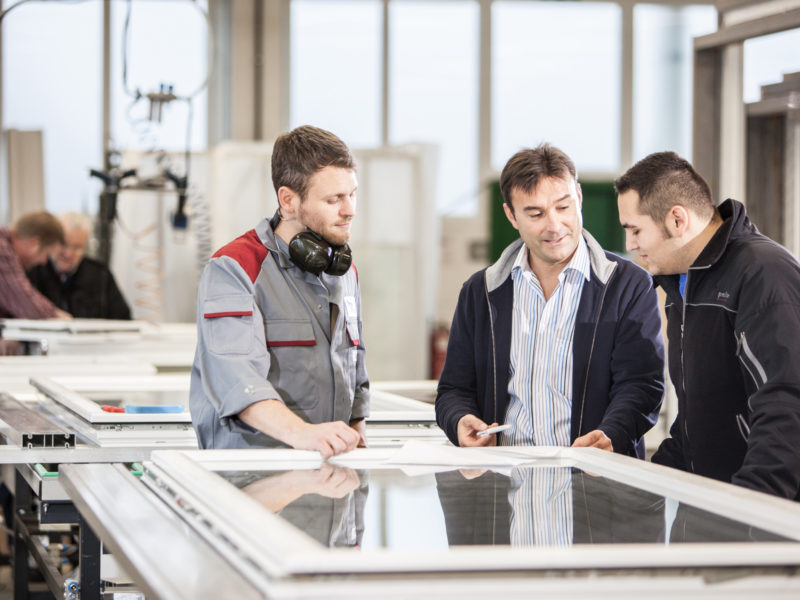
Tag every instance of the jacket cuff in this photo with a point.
(620, 441)
(360, 408)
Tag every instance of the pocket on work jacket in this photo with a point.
(290, 333)
(228, 324)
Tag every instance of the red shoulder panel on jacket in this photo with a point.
(248, 251)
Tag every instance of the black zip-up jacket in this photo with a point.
(618, 353)
(89, 293)
(734, 358)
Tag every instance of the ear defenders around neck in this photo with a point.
(312, 253)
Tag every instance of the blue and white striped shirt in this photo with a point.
(541, 506)
(540, 373)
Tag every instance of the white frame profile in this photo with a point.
(272, 548)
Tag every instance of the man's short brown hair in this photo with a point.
(664, 180)
(40, 224)
(527, 168)
(297, 155)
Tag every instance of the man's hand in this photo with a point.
(594, 439)
(273, 418)
(360, 426)
(62, 314)
(277, 491)
(331, 481)
(468, 428)
(328, 439)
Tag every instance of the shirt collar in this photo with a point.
(578, 263)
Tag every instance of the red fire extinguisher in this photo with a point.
(439, 339)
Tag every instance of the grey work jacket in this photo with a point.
(264, 332)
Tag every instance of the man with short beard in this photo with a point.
(733, 319)
(280, 355)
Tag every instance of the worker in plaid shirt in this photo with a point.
(24, 245)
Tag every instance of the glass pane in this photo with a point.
(336, 68)
(530, 506)
(663, 59)
(148, 398)
(549, 88)
(52, 79)
(166, 49)
(434, 92)
(767, 59)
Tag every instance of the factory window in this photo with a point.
(548, 87)
(433, 92)
(767, 59)
(166, 51)
(51, 82)
(336, 68)
(663, 64)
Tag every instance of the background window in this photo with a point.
(52, 56)
(335, 69)
(663, 60)
(767, 59)
(167, 45)
(433, 82)
(556, 78)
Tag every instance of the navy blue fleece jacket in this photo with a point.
(618, 351)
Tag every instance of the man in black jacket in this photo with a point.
(733, 325)
(81, 286)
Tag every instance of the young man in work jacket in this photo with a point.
(558, 339)
(280, 357)
(733, 324)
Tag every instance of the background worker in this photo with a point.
(27, 243)
(82, 286)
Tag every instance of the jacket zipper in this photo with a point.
(494, 354)
(591, 348)
(683, 367)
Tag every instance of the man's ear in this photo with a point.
(510, 216)
(677, 221)
(286, 200)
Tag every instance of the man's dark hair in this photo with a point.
(40, 224)
(528, 167)
(297, 155)
(663, 180)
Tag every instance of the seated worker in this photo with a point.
(79, 285)
(280, 355)
(559, 340)
(23, 246)
(733, 324)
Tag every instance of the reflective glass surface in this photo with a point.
(524, 506)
